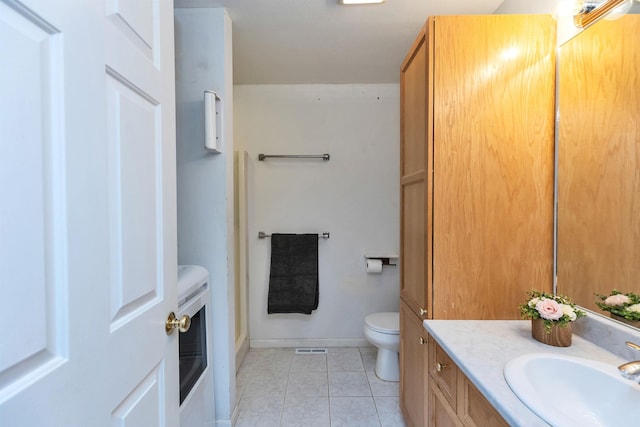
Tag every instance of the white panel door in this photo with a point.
(87, 213)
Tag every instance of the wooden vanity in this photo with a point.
(452, 398)
(474, 392)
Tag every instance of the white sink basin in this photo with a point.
(570, 391)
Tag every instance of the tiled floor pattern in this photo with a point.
(278, 388)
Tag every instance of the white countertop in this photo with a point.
(481, 348)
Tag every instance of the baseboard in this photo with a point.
(302, 342)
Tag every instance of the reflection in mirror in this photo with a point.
(593, 10)
(598, 247)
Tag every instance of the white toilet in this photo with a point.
(383, 331)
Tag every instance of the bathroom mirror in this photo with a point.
(593, 11)
(598, 170)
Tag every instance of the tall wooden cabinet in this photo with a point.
(476, 185)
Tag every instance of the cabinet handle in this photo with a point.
(440, 367)
(422, 311)
(422, 340)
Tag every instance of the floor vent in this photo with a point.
(311, 351)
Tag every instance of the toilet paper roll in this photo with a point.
(374, 266)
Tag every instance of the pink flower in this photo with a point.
(549, 309)
(618, 299)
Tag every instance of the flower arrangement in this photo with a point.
(552, 309)
(623, 305)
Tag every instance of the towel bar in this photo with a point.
(262, 235)
(262, 157)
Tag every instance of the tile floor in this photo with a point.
(278, 388)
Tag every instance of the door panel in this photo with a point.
(87, 223)
(414, 289)
(143, 406)
(32, 247)
(414, 374)
(414, 108)
(493, 164)
(134, 151)
(414, 181)
(136, 22)
(141, 181)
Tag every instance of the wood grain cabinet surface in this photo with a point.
(455, 400)
(413, 368)
(444, 373)
(476, 174)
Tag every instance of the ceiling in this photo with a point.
(319, 41)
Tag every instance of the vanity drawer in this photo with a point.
(444, 373)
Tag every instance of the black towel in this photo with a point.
(293, 280)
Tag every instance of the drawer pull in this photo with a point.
(423, 340)
(440, 367)
(422, 311)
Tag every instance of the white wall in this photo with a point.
(205, 181)
(563, 10)
(524, 7)
(354, 196)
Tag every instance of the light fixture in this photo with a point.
(592, 10)
(619, 11)
(347, 2)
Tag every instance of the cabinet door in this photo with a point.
(441, 414)
(474, 410)
(493, 163)
(413, 368)
(415, 234)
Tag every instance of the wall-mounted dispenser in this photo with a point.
(212, 121)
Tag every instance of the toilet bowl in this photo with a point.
(383, 331)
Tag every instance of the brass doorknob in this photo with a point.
(182, 324)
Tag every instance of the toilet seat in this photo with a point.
(384, 323)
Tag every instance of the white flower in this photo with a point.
(534, 301)
(635, 308)
(567, 310)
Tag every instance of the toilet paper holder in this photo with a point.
(212, 122)
(387, 260)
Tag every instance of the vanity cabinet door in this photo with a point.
(414, 376)
(440, 412)
(452, 397)
(474, 410)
